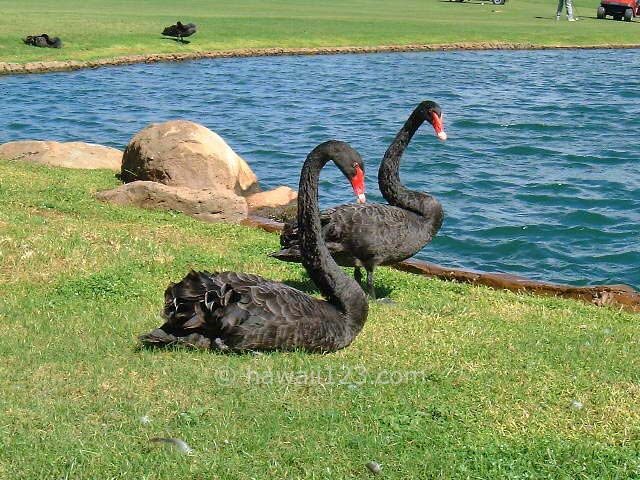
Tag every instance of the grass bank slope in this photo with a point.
(94, 29)
(451, 381)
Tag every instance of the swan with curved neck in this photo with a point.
(231, 311)
(375, 234)
(391, 188)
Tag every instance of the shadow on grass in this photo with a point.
(564, 19)
(177, 40)
(182, 348)
(309, 287)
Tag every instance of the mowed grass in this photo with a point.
(92, 29)
(450, 381)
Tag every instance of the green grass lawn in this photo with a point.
(93, 29)
(451, 381)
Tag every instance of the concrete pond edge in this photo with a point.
(7, 68)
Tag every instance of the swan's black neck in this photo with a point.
(339, 289)
(392, 189)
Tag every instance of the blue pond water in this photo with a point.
(540, 175)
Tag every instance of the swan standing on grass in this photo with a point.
(180, 30)
(235, 312)
(376, 234)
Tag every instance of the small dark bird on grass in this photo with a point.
(43, 41)
(180, 30)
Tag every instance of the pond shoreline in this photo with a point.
(7, 68)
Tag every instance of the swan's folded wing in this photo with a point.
(186, 300)
(350, 228)
(346, 222)
(376, 234)
(247, 311)
(289, 235)
(271, 315)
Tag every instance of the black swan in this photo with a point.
(375, 234)
(235, 312)
(180, 30)
(43, 41)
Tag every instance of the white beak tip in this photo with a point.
(442, 136)
(362, 198)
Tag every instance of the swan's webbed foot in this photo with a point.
(385, 300)
(220, 345)
(195, 340)
(372, 290)
(160, 338)
(156, 338)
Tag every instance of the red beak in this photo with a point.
(357, 182)
(437, 126)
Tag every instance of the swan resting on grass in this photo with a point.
(43, 41)
(235, 312)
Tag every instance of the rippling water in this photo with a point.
(540, 175)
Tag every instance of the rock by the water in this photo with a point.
(185, 167)
(180, 153)
(209, 205)
(276, 197)
(277, 204)
(68, 154)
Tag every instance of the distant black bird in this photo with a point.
(43, 41)
(180, 30)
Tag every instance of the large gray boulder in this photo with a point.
(68, 154)
(209, 205)
(180, 153)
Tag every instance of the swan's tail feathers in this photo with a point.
(290, 251)
(195, 306)
(189, 302)
(288, 255)
(289, 235)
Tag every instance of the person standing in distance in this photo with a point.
(569, 4)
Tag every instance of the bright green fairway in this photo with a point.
(92, 29)
(451, 381)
